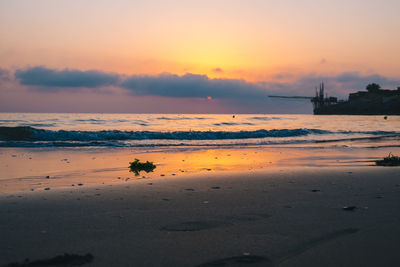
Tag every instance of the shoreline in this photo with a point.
(30, 169)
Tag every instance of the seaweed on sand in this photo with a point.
(390, 160)
(137, 166)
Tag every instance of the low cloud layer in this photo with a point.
(341, 84)
(45, 77)
(194, 85)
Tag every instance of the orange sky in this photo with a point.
(251, 40)
(290, 46)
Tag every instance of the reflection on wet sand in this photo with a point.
(29, 169)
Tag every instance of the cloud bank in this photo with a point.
(45, 77)
(195, 85)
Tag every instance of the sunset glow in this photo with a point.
(254, 41)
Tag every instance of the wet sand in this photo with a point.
(37, 169)
(284, 216)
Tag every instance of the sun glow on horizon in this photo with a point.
(243, 47)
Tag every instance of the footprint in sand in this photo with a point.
(273, 260)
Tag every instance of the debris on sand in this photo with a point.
(390, 160)
(137, 166)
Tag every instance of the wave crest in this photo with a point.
(33, 134)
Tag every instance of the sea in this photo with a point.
(200, 130)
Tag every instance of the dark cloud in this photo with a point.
(163, 92)
(198, 86)
(340, 85)
(192, 85)
(218, 70)
(355, 79)
(45, 77)
(347, 82)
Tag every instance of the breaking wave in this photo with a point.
(33, 134)
(25, 136)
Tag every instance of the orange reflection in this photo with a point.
(36, 169)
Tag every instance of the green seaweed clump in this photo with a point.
(137, 166)
(390, 160)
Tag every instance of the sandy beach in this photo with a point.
(286, 215)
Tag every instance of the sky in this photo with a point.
(156, 56)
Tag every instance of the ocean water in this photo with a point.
(153, 130)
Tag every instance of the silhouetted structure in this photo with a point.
(374, 101)
(320, 101)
